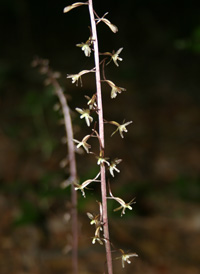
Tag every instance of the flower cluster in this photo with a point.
(93, 105)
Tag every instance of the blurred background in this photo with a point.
(160, 152)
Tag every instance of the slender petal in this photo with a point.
(75, 5)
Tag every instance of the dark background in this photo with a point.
(160, 152)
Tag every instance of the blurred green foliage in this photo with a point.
(191, 43)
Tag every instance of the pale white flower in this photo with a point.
(86, 46)
(108, 23)
(125, 257)
(95, 220)
(101, 160)
(97, 236)
(83, 143)
(112, 166)
(85, 184)
(122, 128)
(114, 56)
(92, 101)
(75, 77)
(85, 113)
(123, 205)
(115, 89)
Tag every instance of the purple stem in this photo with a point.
(101, 134)
(73, 172)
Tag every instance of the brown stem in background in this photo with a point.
(101, 135)
(73, 170)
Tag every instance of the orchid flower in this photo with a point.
(114, 56)
(125, 257)
(85, 184)
(112, 166)
(96, 219)
(122, 128)
(115, 89)
(123, 205)
(85, 113)
(86, 47)
(92, 101)
(102, 160)
(83, 143)
(107, 22)
(97, 236)
(75, 77)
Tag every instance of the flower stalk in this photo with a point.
(52, 79)
(73, 172)
(101, 135)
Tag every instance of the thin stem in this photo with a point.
(73, 171)
(101, 134)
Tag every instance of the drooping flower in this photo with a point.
(85, 113)
(112, 166)
(125, 257)
(122, 128)
(108, 23)
(75, 5)
(85, 184)
(123, 205)
(115, 89)
(75, 77)
(83, 143)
